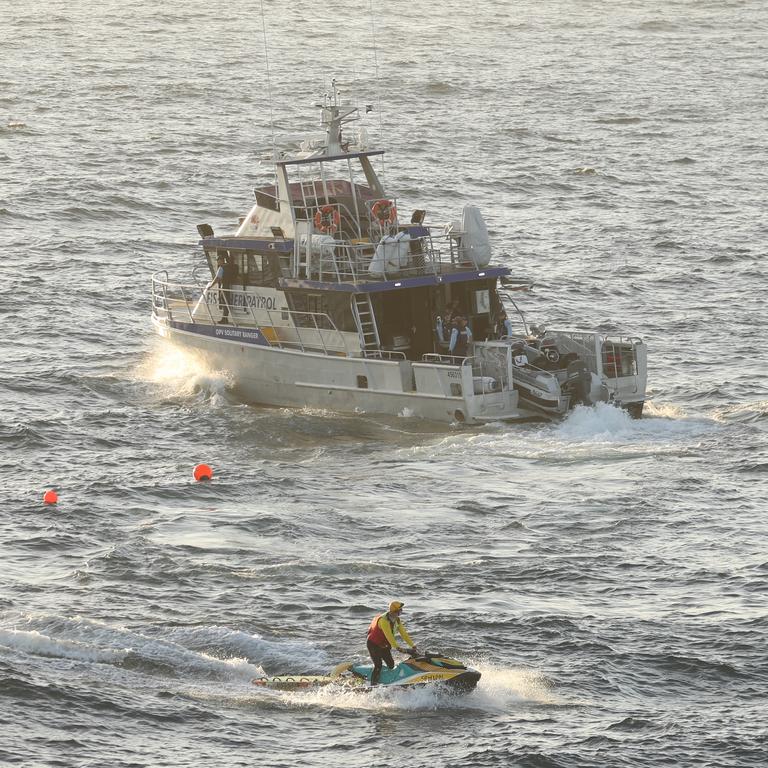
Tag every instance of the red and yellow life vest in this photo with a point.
(376, 634)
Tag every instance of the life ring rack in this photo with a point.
(327, 219)
(384, 211)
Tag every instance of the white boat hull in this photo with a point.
(286, 378)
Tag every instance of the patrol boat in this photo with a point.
(327, 297)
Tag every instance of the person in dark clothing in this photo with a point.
(503, 326)
(224, 278)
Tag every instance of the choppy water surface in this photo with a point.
(608, 577)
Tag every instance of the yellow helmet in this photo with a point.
(395, 605)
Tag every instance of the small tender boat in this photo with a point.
(416, 672)
(330, 298)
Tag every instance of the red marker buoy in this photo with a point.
(50, 496)
(202, 472)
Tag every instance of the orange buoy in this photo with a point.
(202, 472)
(50, 496)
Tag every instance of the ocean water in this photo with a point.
(607, 576)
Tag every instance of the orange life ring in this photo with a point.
(327, 218)
(384, 211)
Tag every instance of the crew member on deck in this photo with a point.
(461, 338)
(224, 278)
(442, 327)
(503, 326)
(381, 638)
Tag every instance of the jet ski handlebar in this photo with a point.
(415, 653)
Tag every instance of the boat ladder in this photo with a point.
(366, 321)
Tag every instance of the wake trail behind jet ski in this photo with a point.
(499, 690)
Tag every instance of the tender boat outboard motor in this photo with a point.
(578, 383)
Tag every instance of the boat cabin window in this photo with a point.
(251, 268)
(266, 200)
(253, 272)
(335, 307)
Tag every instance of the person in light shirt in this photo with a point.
(442, 326)
(461, 338)
(504, 326)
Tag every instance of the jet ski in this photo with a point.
(424, 669)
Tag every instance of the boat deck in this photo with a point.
(421, 253)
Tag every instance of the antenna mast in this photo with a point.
(269, 82)
(378, 87)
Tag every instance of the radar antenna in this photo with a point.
(334, 115)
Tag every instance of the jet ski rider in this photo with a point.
(381, 638)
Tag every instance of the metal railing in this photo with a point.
(582, 343)
(343, 260)
(616, 353)
(506, 299)
(282, 328)
(382, 354)
(618, 357)
(483, 365)
(493, 360)
(435, 357)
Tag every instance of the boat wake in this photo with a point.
(498, 690)
(217, 664)
(39, 644)
(501, 687)
(603, 422)
(602, 432)
(211, 653)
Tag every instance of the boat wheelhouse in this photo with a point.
(328, 296)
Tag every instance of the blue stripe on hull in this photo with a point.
(225, 332)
